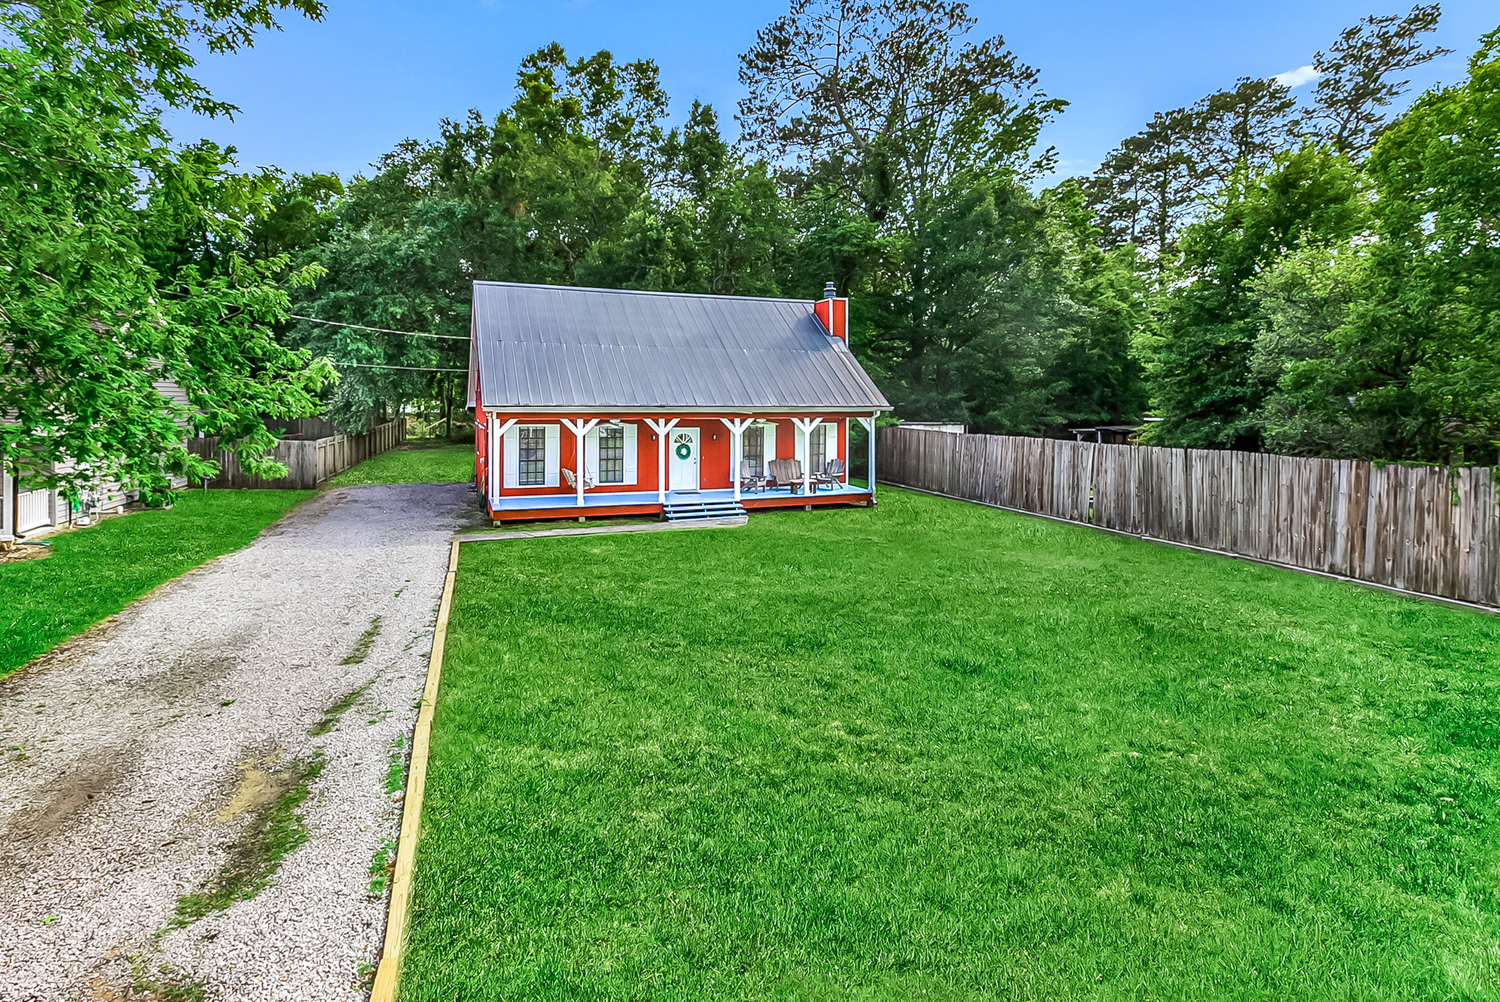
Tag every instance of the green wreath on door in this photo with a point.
(683, 450)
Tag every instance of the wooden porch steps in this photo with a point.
(682, 509)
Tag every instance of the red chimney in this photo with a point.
(833, 313)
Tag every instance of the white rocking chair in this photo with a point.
(572, 479)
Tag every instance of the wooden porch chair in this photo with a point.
(572, 479)
(751, 481)
(786, 473)
(830, 475)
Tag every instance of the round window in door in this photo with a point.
(684, 447)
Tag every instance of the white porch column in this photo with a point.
(846, 456)
(7, 505)
(869, 423)
(579, 429)
(661, 427)
(736, 428)
(497, 457)
(806, 426)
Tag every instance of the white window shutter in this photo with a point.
(799, 446)
(630, 454)
(554, 445)
(511, 456)
(591, 453)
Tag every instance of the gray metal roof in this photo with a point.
(557, 346)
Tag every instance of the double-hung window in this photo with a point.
(754, 447)
(611, 454)
(531, 460)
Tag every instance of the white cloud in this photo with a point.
(1296, 78)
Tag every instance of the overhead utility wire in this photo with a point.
(378, 330)
(413, 368)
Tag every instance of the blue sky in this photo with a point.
(335, 95)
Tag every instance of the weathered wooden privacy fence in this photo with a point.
(1420, 528)
(309, 462)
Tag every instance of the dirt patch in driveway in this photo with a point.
(265, 805)
(78, 788)
(259, 786)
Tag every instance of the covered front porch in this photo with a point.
(598, 505)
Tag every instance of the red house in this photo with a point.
(663, 402)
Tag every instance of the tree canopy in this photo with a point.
(122, 268)
(1317, 276)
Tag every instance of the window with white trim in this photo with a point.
(818, 455)
(610, 452)
(531, 459)
(540, 446)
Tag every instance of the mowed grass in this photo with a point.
(939, 751)
(95, 572)
(420, 463)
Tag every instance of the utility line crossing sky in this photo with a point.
(334, 96)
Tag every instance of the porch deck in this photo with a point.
(647, 502)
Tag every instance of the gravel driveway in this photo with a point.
(160, 754)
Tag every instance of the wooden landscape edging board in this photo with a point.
(389, 970)
(1419, 530)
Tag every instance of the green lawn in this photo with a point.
(936, 750)
(420, 463)
(94, 573)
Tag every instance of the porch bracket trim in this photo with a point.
(661, 427)
(806, 426)
(736, 428)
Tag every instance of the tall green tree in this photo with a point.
(1354, 88)
(406, 278)
(1094, 377)
(900, 140)
(1154, 183)
(559, 187)
(299, 215)
(887, 104)
(1391, 348)
(1147, 187)
(89, 183)
(713, 222)
(1200, 346)
(1242, 130)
